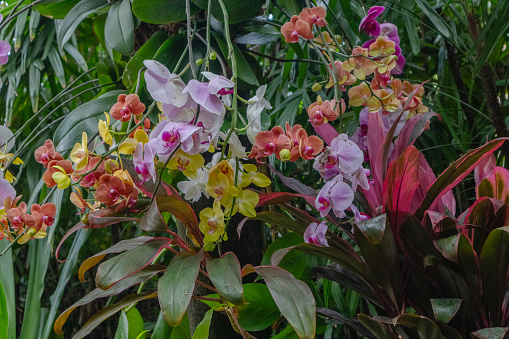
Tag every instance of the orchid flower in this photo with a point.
(163, 85)
(254, 110)
(6, 190)
(295, 27)
(195, 187)
(169, 135)
(235, 145)
(349, 155)
(369, 24)
(315, 234)
(207, 94)
(143, 159)
(5, 48)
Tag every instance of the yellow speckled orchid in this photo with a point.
(79, 153)
(245, 203)
(382, 46)
(212, 223)
(253, 176)
(187, 163)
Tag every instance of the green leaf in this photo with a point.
(76, 55)
(56, 64)
(8, 285)
(56, 9)
(294, 299)
(162, 11)
(490, 333)
(226, 276)
(75, 16)
(119, 27)
(445, 309)
(123, 265)
(439, 23)
(295, 261)
(202, 330)
(425, 327)
(176, 286)
(260, 311)
(130, 325)
(34, 85)
(4, 315)
(147, 51)
(244, 70)
(493, 262)
(379, 329)
(135, 279)
(108, 311)
(238, 10)
(161, 329)
(411, 27)
(82, 119)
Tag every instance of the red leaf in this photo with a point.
(400, 185)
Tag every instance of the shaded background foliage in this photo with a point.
(65, 55)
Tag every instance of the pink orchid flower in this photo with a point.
(143, 159)
(315, 234)
(207, 94)
(369, 24)
(163, 85)
(169, 135)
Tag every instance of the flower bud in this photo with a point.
(339, 39)
(213, 55)
(31, 232)
(285, 155)
(111, 166)
(316, 87)
(84, 219)
(199, 61)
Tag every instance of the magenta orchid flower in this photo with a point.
(208, 125)
(143, 159)
(327, 163)
(369, 24)
(169, 135)
(207, 94)
(315, 234)
(336, 195)
(163, 85)
(6, 190)
(390, 31)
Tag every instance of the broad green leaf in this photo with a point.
(83, 118)
(244, 70)
(438, 22)
(202, 330)
(455, 173)
(493, 263)
(425, 327)
(411, 27)
(108, 311)
(238, 10)
(294, 261)
(226, 276)
(147, 51)
(490, 333)
(4, 315)
(75, 16)
(377, 328)
(135, 279)
(162, 11)
(161, 328)
(260, 311)
(130, 325)
(35, 18)
(56, 9)
(176, 286)
(378, 247)
(294, 299)
(445, 309)
(154, 221)
(124, 245)
(123, 265)
(119, 27)
(21, 21)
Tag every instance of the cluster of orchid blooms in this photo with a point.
(190, 124)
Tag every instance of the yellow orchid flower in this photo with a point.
(212, 223)
(79, 153)
(225, 168)
(187, 163)
(128, 146)
(245, 203)
(61, 178)
(141, 136)
(9, 177)
(219, 187)
(253, 176)
(104, 130)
